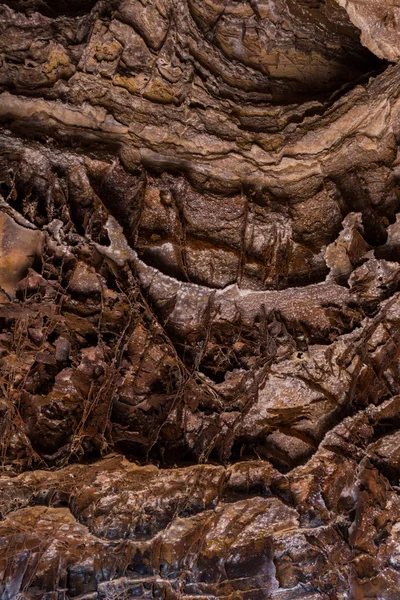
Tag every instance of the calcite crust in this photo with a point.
(199, 300)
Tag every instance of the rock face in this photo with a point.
(199, 300)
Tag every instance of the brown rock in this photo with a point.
(199, 300)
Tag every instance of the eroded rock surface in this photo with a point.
(199, 300)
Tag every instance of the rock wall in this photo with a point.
(199, 300)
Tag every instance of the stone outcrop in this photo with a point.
(199, 299)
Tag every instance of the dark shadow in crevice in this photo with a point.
(53, 8)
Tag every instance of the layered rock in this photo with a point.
(199, 306)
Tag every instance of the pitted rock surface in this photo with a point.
(199, 300)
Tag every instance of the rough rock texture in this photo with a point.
(199, 299)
